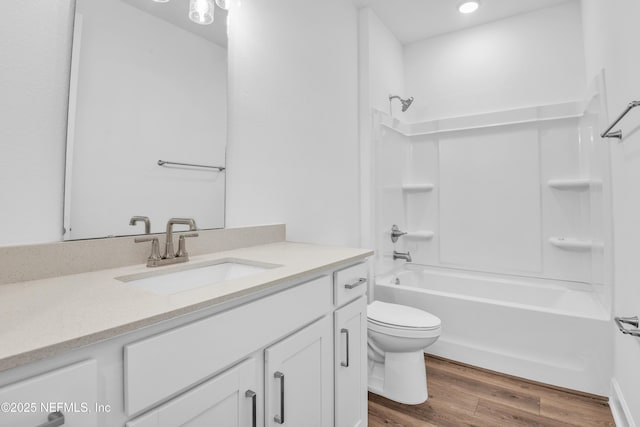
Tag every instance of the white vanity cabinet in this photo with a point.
(230, 400)
(299, 378)
(71, 390)
(295, 356)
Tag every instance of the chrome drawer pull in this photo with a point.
(252, 395)
(359, 282)
(280, 418)
(632, 321)
(55, 419)
(345, 331)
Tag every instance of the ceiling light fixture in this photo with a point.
(469, 7)
(201, 11)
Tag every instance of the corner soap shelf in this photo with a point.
(571, 243)
(424, 186)
(570, 183)
(420, 235)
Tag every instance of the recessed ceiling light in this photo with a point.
(469, 7)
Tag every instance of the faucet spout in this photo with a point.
(402, 255)
(147, 223)
(168, 246)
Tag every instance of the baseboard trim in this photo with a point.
(619, 408)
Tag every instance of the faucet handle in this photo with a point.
(396, 233)
(182, 247)
(155, 248)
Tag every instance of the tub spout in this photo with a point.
(402, 255)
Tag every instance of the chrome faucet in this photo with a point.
(168, 245)
(402, 255)
(147, 223)
(169, 257)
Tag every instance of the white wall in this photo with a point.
(381, 73)
(148, 91)
(385, 62)
(35, 41)
(293, 118)
(526, 60)
(611, 43)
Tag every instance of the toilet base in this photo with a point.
(401, 377)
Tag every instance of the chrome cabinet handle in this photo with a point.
(252, 395)
(280, 418)
(55, 419)
(355, 284)
(632, 321)
(346, 332)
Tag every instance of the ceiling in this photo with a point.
(176, 12)
(413, 20)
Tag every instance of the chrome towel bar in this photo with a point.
(618, 133)
(632, 321)
(166, 163)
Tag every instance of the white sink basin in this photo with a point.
(186, 277)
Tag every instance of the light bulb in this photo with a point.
(223, 4)
(201, 11)
(469, 7)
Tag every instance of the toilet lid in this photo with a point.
(401, 316)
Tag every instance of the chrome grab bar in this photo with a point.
(632, 321)
(618, 133)
(166, 163)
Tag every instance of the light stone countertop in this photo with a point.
(47, 317)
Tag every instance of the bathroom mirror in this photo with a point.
(147, 85)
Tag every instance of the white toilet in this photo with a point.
(397, 336)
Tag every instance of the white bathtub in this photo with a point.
(550, 331)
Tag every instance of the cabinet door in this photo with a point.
(299, 378)
(228, 400)
(351, 364)
(71, 391)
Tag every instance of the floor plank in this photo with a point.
(501, 415)
(463, 395)
(502, 394)
(380, 415)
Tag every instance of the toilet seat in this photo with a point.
(386, 316)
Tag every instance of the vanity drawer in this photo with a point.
(350, 283)
(71, 391)
(161, 366)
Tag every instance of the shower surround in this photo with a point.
(492, 201)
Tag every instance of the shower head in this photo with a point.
(406, 103)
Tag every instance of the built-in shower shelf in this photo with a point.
(425, 186)
(571, 243)
(570, 183)
(420, 235)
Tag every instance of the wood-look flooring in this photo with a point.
(462, 395)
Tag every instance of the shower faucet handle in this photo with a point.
(396, 233)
